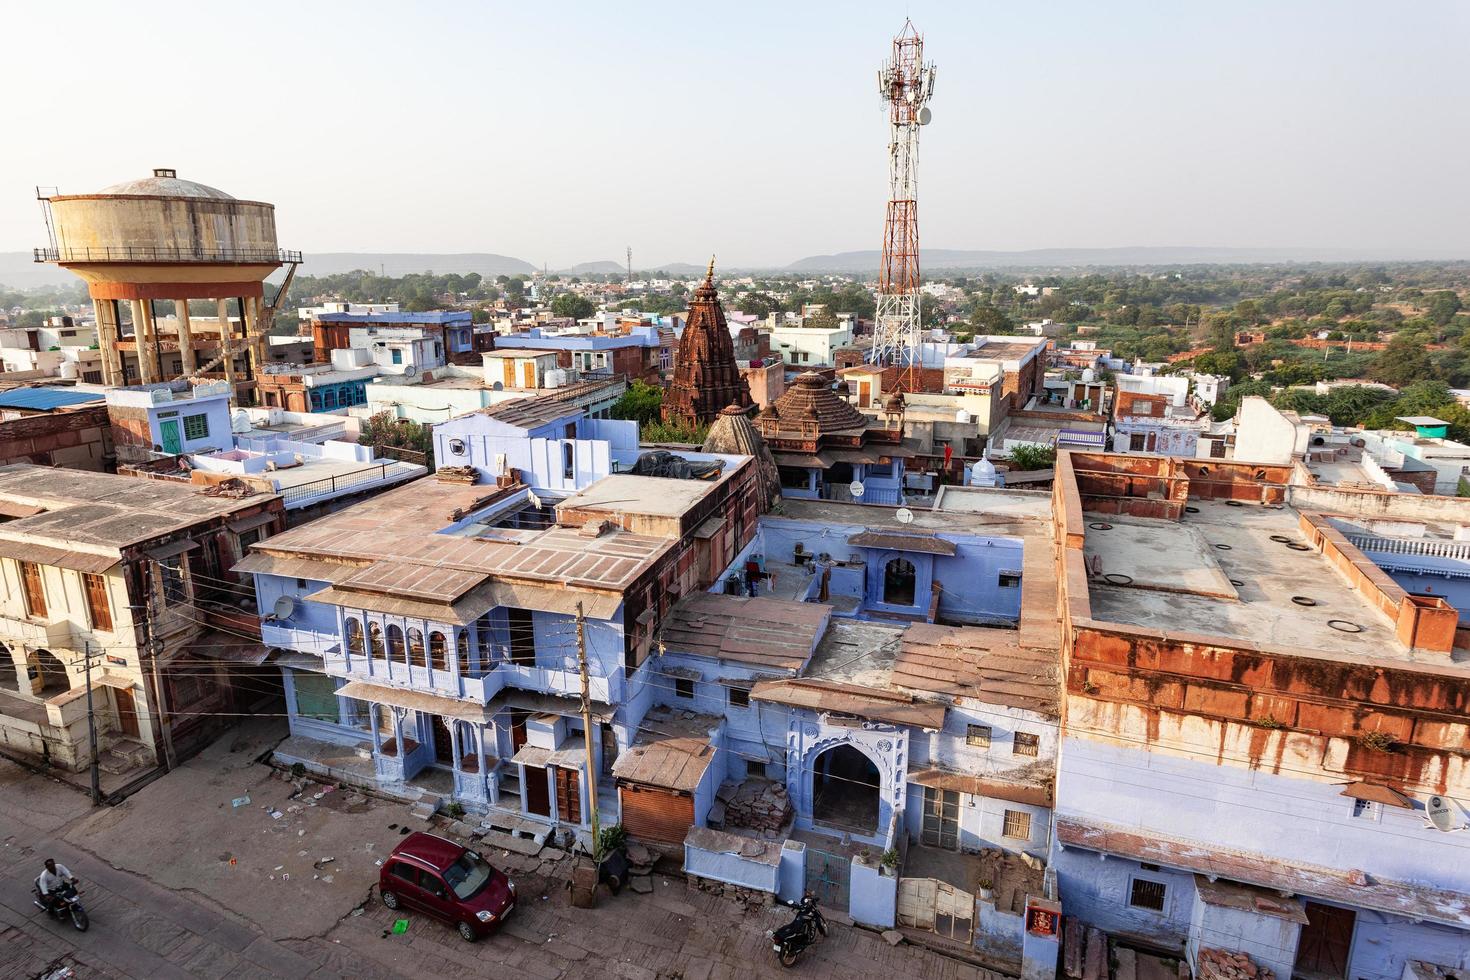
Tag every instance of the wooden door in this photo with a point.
(1326, 940)
(127, 711)
(517, 730)
(941, 824)
(538, 799)
(865, 394)
(443, 746)
(568, 795)
(528, 374)
(510, 372)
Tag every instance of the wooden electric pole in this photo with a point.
(91, 724)
(587, 732)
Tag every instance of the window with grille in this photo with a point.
(1025, 744)
(1017, 825)
(978, 736)
(753, 768)
(196, 426)
(1366, 809)
(30, 576)
(1145, 894)
(1010, 580)
(739, 696)
(683, 687)
(522, 636)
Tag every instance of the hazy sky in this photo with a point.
(561, 132)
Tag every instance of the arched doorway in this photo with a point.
(53, 673)
(845, 785)
(9, 679)
(898, 582)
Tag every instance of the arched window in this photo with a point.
(469, 749)
(416, 648)
(395, 645)
(52, 671)
(437, 651)
(9, 676)
(568, 461)
(375, 641)
(898, 582)
(462, 649)
(354, 635)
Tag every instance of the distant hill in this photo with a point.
(403, 263)
(941, 258)
(18, 272)
(593, 269)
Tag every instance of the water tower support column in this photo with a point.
(144, 341)
(186, 336)
(106, 311)
(224, 345)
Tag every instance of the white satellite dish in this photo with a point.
(283, 608)
(856, 487)
(904, 515)
(924, 116)
(1441, 813)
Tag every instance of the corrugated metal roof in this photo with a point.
(771, 633)
(44, 399)
(924, 544)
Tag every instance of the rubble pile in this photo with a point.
(756, 804)
(1220, 964)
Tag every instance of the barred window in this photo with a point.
(1025, 744)
(1145, 894)
(196, 426)
(1017, 825)
(978, 735)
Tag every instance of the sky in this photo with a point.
(562, 133)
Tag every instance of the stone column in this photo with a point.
(257, 343)
(223, 308)
(480, 751)
(186, 336)
(106, 312)
(373, 727)
(453, 727)
(144, 343)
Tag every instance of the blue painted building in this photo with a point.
(430, 637)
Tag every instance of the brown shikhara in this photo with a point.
(707, 379)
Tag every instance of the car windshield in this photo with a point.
(468, 875)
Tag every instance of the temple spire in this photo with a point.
(706, 377)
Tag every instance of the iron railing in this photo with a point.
(332, 485)
(164, 253)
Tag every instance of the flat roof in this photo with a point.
(101, 509)
(989, 665)
(1176, 576)
(657, 496)
(529, 412)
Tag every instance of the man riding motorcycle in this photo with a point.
(51, 880)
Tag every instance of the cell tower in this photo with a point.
(905, 83)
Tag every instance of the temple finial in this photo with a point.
(710, 273)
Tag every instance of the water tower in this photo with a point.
(171, 240)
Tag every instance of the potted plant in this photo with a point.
(987, 891)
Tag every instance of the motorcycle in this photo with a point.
(793, 939)
(64, 903)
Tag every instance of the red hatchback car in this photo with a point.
(430, 874)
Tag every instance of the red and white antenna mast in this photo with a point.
(905, 83)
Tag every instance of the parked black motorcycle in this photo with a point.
(792, 939)
(64, 902)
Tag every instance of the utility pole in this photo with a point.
(91, 724)
(587, 732)
(154, 646)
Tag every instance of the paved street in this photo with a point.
(181, 883)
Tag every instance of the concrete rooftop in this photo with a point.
(1181, 579)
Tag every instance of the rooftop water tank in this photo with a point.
(962, 417)
(1088, 375)
(68, 370)
(982, 474)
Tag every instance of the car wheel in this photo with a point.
(390, 900)
(467, 932)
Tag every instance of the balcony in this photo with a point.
(54, 635)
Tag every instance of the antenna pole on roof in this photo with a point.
(587, 732)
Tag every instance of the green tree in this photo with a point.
(572, 305)
(386, 429)
(987, 319)
(1443, 305)
(1403, 362)
(823, 319)
(1027, 457)
(641, 403)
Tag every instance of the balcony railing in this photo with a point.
(58, 634)
(333, 485)
(164, 253)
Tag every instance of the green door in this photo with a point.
(169, 428)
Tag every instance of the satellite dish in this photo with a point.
(905, 516)
(924, 116)
(283, 608)
(856, 487)
(1441, 813)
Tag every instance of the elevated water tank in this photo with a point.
(68, 370)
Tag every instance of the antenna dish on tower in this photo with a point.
(925, 115)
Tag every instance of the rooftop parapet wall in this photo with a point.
(1403, 717)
